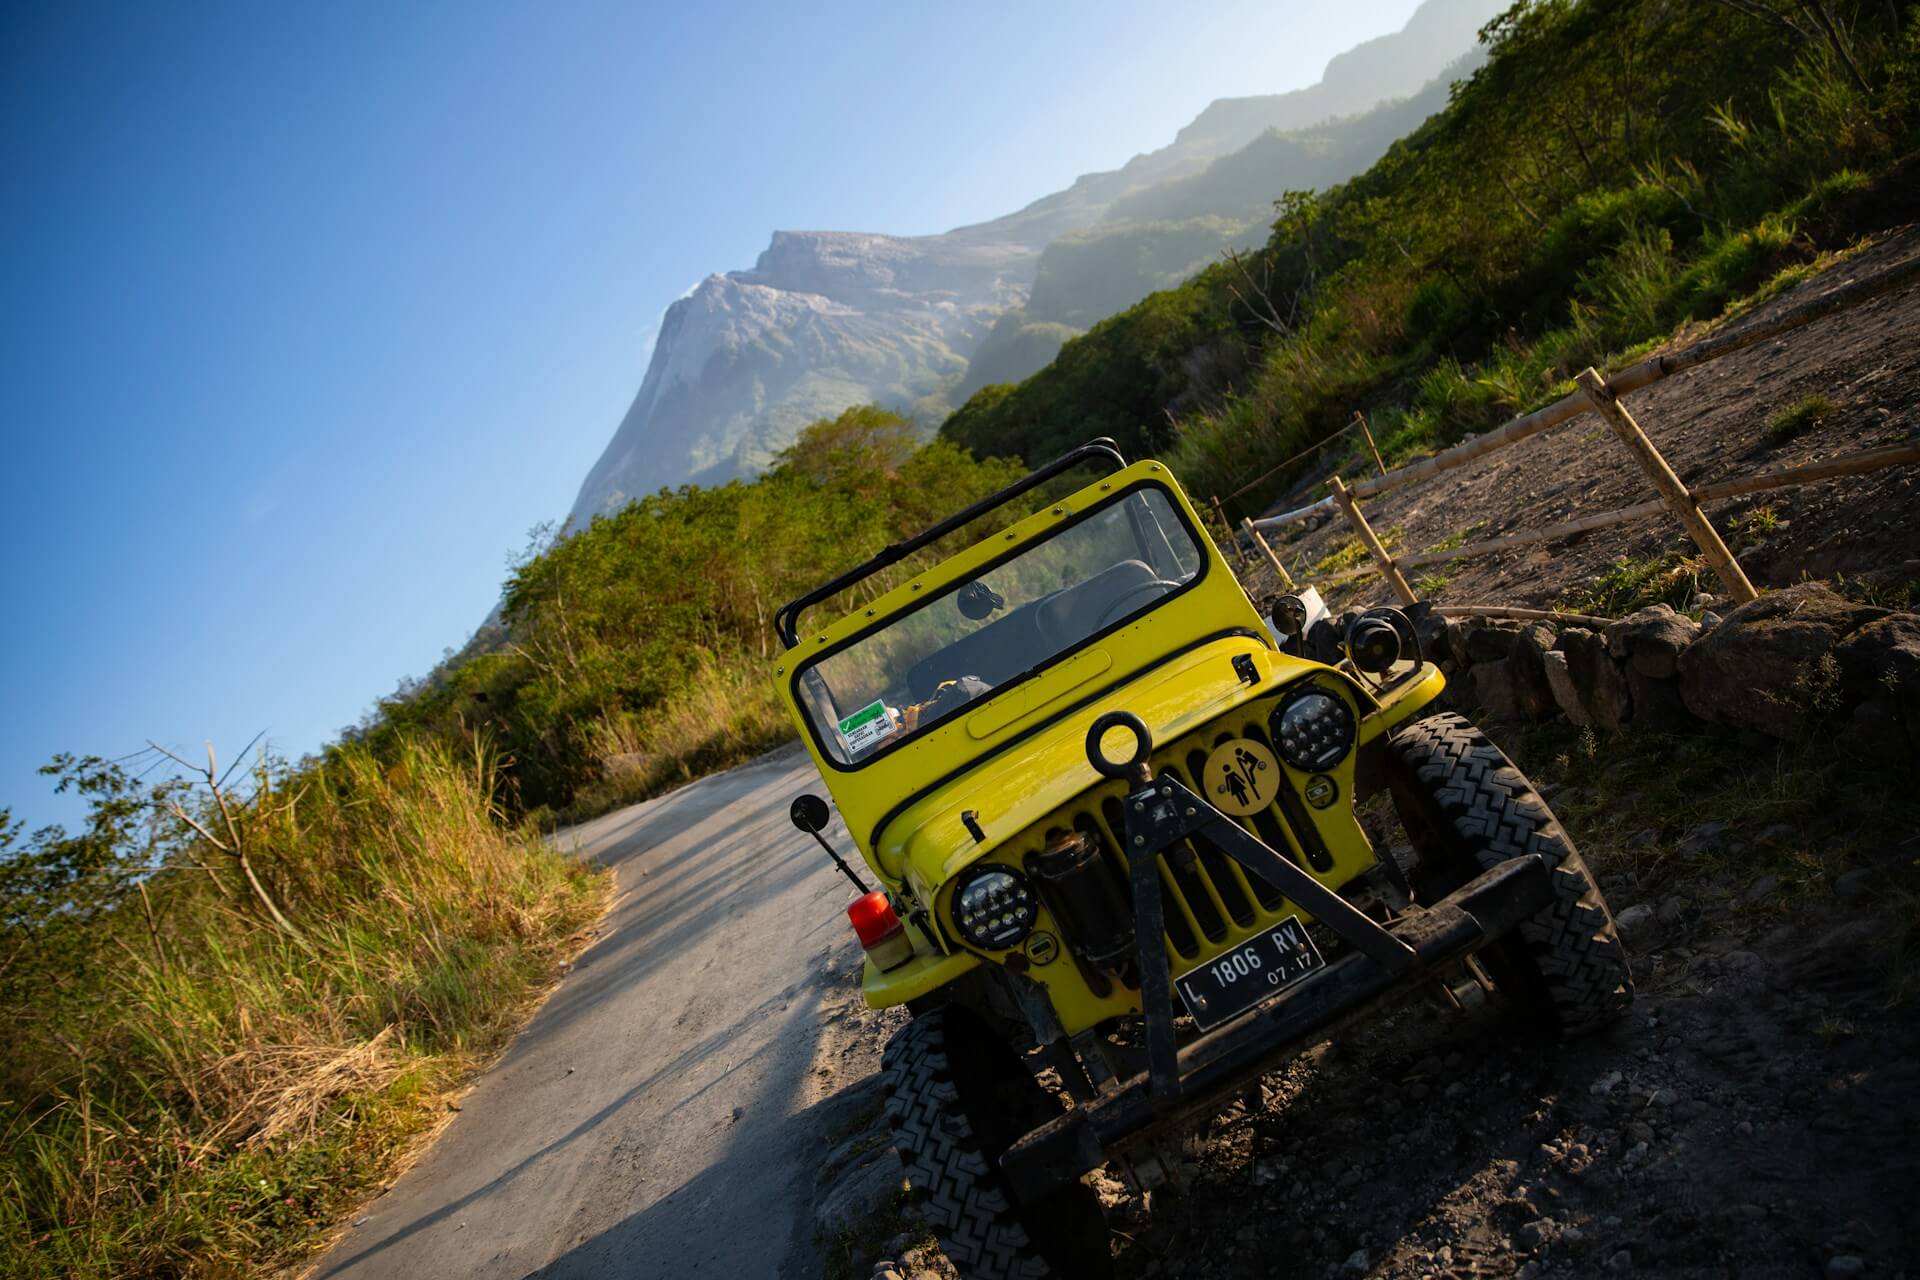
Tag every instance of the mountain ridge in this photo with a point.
(827, 319)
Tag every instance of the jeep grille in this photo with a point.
(1212, 902)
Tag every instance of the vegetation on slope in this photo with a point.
(230, 1005)
(1616, 168)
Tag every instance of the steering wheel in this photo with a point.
(1161, 585)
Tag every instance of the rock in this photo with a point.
(865, 1188)
(1488, 643)
(1536, 1234)
(885, 1271)
(1663, 1097)
(1636, 925)
(1652, 639)
(1855, 885)
(1875, 731)
(1708, 621)
(1605, 1084)
(1495, 692)
(1532, 691)
(1704, 838)
(1560, 682)
(1621, 1263)
(1431, 629)
(1752, 670)
(1356, 1263)
(1762, 889)
(1597, 679)
(1845, 1266)
(1884, 657)
(1657, 703)
(1839, 958)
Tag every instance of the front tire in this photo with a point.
(1467, 809)
(957, 1098)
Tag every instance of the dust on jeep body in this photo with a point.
(1112, 814)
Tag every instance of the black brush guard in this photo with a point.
(1181, 1084)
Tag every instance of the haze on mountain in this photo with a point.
(828, 319)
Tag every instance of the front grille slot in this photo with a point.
(1212, 898)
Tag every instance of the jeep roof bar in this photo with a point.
(786, 622)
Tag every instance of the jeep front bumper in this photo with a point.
(1183, 1084)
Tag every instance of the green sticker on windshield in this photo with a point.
(865, 728)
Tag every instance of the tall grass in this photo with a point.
(729, 715)
(207, 1090)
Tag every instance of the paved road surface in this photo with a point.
(662, 1115)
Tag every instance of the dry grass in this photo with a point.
(729, 716)
(208, 1095)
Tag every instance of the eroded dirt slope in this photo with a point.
(1711, 423)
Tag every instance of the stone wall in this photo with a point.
(1797, 661)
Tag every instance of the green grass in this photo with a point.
(1460, 537)
(1634, 583)
(1352, 553)
(1430, 585)
(1751, 527)
(1803, 811)
(1796, 420)
(205, 1093)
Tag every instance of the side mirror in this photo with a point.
(809, 813)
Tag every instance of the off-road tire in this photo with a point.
(957, 1098)
(1467, 809)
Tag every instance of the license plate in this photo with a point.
(1235, 980)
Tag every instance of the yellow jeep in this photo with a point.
(1112, 815)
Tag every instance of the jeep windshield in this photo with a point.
(1048, 598)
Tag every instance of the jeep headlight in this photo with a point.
(1313, 730)
(993, 907)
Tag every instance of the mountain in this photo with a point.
(828, 319)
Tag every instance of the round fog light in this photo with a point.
(994, 907)
(1313, 730)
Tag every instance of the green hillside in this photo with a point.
(1615, 168)
(1158, 237)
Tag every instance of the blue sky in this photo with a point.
(311, 312)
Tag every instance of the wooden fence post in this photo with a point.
(1388, 570)
(1667, 484)
(1360, 420)
(1232, 541)
(1280, 570)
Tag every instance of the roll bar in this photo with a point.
(786, 622)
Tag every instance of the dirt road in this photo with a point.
(664, 1113)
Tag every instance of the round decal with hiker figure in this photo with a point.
(1242, 777)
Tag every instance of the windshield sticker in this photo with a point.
(865, 728)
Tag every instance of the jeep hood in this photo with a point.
(927, 842)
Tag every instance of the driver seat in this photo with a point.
(1070, 615)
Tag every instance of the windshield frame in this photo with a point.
(1202, 544)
